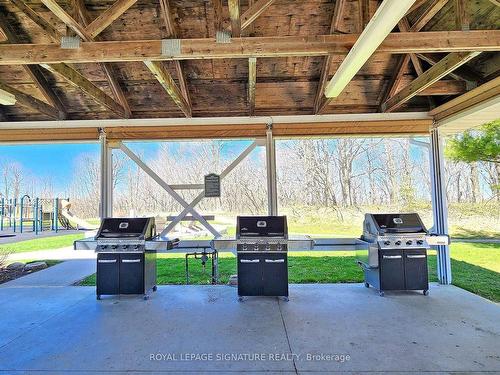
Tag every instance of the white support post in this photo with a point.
(272, 191)
(439, 205)
(106, 178)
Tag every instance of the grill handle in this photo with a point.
(106, 261)
(275, 261)
(249, 260)
(416, 256)
(131, 260)
(391, 256)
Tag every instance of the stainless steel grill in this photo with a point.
(396, 257)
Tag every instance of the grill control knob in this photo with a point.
(387, 243)
(397, 243)
(420, 242)
(409, 242)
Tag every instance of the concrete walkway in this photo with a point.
(329, 328)
(63, 274)
(58, 254)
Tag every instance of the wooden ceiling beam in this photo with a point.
(172, 33)
(108, 16)
(31, 102)
(252, 79)
(234, 15)
(254, 11)
(168, 83)
(486, 91)
(35, 73)
(432, 9)
(445, 87)
(434, 74)
(327, 62)
(79, 81)
(284, 46)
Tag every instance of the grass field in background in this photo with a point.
(43, 243)
(475, 266)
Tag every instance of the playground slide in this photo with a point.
(72, 219)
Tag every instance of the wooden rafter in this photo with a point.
(107, 68)
(434, 74)
(35, 73)
(108, 16)
(78, 80)
(68, 70)
(37, 19)
(254, 11)
(234, 15)
(462, 14)
(364, 14)
(252, 78)
(463, 73)
(432, 9)
(402, 64)
(218, 18)
(280, 46)
(66, 18)
(172, 33)
(168, 83)
(417, 4)
(30, 101)
(327, 62)
(3, 36)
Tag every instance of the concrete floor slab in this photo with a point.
(62, 274)
(450, 330)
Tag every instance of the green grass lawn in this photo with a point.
(476, 267)
(45, 243)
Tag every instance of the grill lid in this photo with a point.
(398, 223)
(261, 226)
(142, 228)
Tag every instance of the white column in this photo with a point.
(106, 178)
(439, 205)
(272, 191)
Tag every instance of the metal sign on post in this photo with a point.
(212, 185)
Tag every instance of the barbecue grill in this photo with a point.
(396, 257)
(262, 256)
(126, 255)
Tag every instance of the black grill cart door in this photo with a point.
(250, 281)
(391, 270)
(108, 279)
(275, 275)
(132, 273)
(416, 273)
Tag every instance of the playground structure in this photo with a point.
(39, 215)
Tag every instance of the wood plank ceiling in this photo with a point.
(233, 86)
